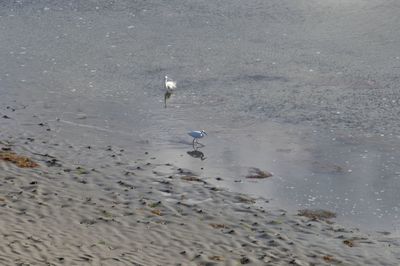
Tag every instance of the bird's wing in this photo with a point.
(171, 84)
(194, 134)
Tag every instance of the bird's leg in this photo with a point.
(193, 141)
(200, 144)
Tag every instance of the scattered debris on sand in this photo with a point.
(218, 226)
(349, 242)
(256, 173)
(245, 199)
(18, 160)
(156, 212)
(191, 178)
(317, 214)
(330, 259)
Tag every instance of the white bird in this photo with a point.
(170, 85)
(197, 135)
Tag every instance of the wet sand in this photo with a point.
(116, 211)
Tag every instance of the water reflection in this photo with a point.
(167, 95)
(196, 153)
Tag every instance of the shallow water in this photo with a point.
(286, 87)
(356, 177)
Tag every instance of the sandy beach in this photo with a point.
(145, 212)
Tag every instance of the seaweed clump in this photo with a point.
(18, 160)
(256, 173)
(317, 214)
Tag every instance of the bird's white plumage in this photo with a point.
(197, 134)
(169, 84)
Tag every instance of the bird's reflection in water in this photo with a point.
(167, 95)
(197, 154)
